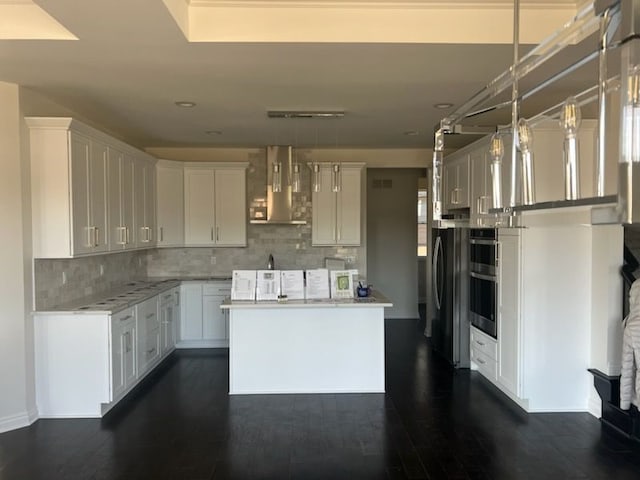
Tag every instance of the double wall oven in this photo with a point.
(483, 279)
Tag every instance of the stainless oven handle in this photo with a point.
(490, 278)
(477, 241)
(436, 254)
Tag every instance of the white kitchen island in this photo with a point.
(312, 346)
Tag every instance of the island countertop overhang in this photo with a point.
(376, 300)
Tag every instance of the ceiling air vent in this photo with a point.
(385, 183)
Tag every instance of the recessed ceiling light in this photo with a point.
(214, 132)
(411, 133)
(443, 105)
(185, 104)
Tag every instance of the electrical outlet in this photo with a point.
(64, 278)
(213, 260)
(101, 270)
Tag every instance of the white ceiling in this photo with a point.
(129, 65)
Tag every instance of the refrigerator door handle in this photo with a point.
(437, 251)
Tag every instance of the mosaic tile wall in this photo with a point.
(83, 276)
(289, 244)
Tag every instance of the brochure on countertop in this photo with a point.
(268, 285)
(317, 284)
(243, 285)
(292, 284)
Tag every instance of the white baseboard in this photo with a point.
(595, 404)
(203, 344)
(20, 420)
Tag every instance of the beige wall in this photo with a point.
(16, 347)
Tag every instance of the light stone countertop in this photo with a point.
(376, 300)
(125, 296)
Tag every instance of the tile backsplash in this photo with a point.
(290, 246)
(85, 276)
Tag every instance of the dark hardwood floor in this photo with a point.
(434, 422)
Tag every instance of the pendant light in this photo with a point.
(525, 140)
(295, 178)
(296, 186)
(317, 178)
(276, 179)
(570, 122)
(496, 151)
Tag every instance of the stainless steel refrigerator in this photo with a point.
(450, 328)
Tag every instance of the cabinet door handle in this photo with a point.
(162, 234)
(217, 233)
(125, 318)
(480, 361)
(151, 350)
(212, 233)
(127, 342)
(150, 315)
(480, 343)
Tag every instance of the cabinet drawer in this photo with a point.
(223, 289)
(488, 367)
(484, 344)
(123, 317)
(167, 297)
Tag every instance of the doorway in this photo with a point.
(392, 237)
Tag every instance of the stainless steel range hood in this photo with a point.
(279, 204)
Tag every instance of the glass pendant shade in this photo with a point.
(317, 179)
(525, 141)
(296, 186)
(570, 122)
(496, 151)
(336, 178)
(276, 184)
(631, 118)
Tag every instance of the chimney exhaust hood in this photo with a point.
(279, 204)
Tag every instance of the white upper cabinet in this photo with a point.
(145, 202)
(90, 192)
(215, 205)
(170, 203)
(69, 188)
(336, 216)
(121, 191)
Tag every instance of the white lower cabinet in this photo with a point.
(545, 313)
(202, 323)
(123, 352)
(86, 362)
(484, 353)
(148, 322)
(169, 318)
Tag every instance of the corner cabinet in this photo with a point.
(69, 189)
(336, 216)
(215, 212)
(170, 203)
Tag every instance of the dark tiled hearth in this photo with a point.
(433, 423)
